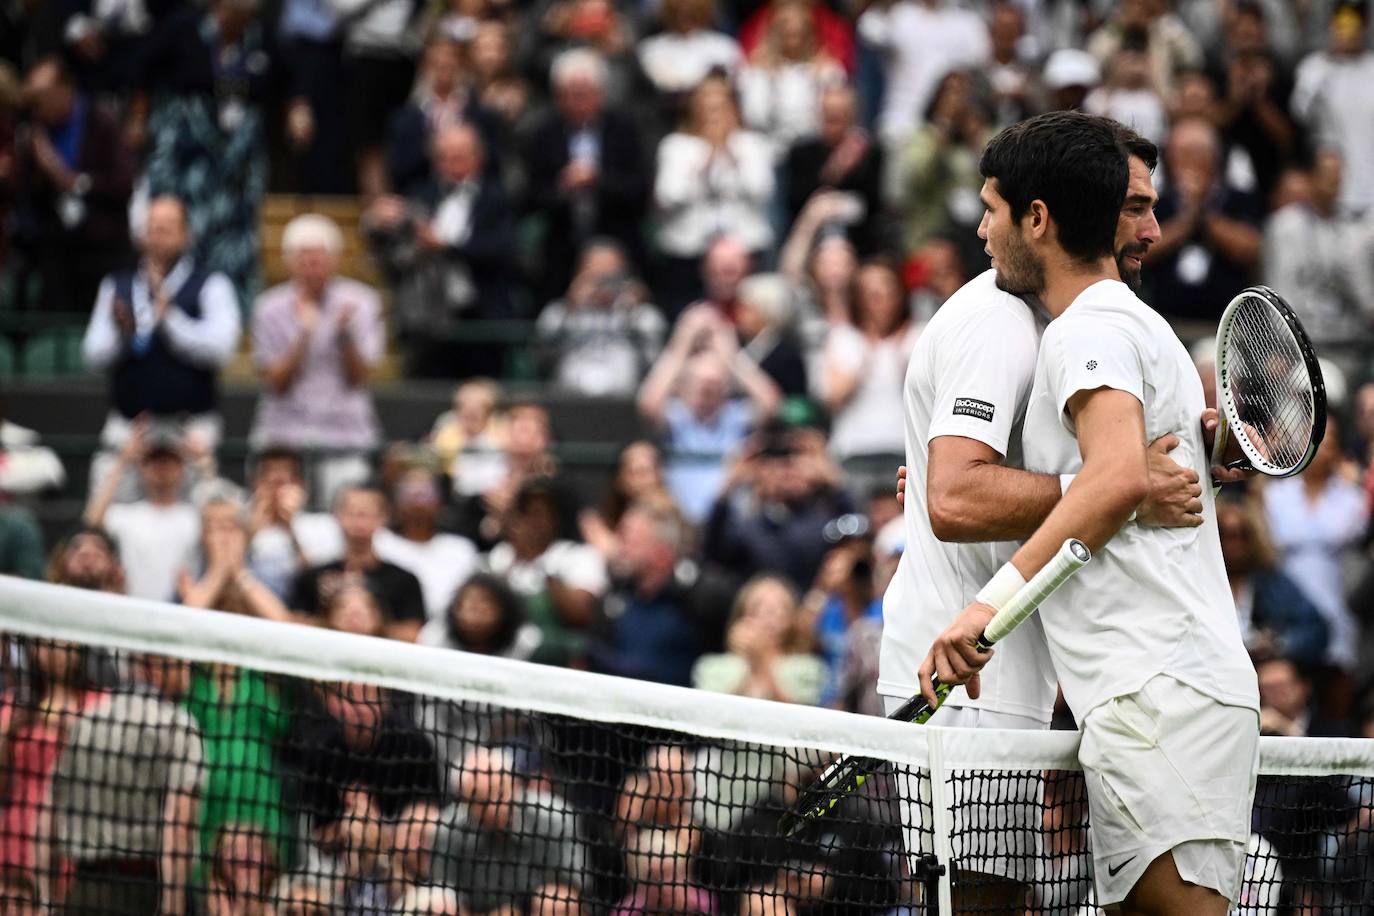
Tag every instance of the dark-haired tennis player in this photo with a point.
(1144, 642)
(964, 399)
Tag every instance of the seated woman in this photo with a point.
(638, 477)
(486, 617)
(769, 648)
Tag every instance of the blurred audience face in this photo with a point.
(793, 32)
(301, 899)
(275, 471)
(723, 268)
(1329, 455)
(1193, 149)
(711, 111)
(458, 154)
(1195, 95)
(165, 233)
(474, 403)
(640, 474)
(49, 94)
(354, 609)
(443, 67)
(18, 894)
(1282, 687)
(1246, 32)
(170, 677)
(528, 432)
(162, 472)
(834, 263)
(1364, 414)
(476, 615)
(839, 113)
(1346, 32)
(683, 17)
(489, 51)
(645, 551)
(487, 785)
(768, 610)
(417, 500)
(60, 662)
(706, 385)
(1237, 539)
(580, 99)
(533, 526)
(1294, 187)
(361, 513)
(88, 562)
(600, 276)
(313, 266)
(879, 300)
(1137, 228)
(1008, 25)
(944, 272)
(1327, 173)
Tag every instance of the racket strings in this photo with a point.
(1269, 385)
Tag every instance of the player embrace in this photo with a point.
(1144, 642)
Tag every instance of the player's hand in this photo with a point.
(1175, 499)
(1220, 474)
(901, 486)
(954, 656)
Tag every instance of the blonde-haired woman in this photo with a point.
(768, 648)
(780, 87)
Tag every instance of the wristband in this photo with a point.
(1001, 588)
(1065, 481)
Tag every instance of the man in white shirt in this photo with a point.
(442, 562)
(965, 398)
(1145, 641)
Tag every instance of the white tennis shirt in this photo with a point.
(969, 375)
(1154, 600)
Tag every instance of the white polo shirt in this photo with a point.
(1154, 600)
(970, 375)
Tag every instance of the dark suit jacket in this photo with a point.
(619, 196)
(408, 140)
(804, 163)
(487, 253)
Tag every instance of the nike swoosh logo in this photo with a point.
(1120, 865)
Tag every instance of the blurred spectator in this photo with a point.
(1323, 262)
(598, 26)
(765, 318)
(510, 841)
(1128, 94)
(1276, 618)
(767, 648)
(380, 43)
(921, 41)
(1331, 98)
(353, 608)
(88, 558)
(771, 514)
(638, 478)
(1286, 700)
(203, 86)
(1069, 75)
(653, 632)
(1316, 519)
(561, 581)
(687, 50)
(601, 338)
(711, 174)
(1013, 80)
(496, 81)
(441, 99)
(470, 439)
(36, 718)
(587, 170)
(687, 397)
(362, 512)
(661, 838)
(1209, 238)
(242, 865)
(935, 272)
(865, 363)
(316, 340)
(162, 332)
(126, 797)
(220, 578)
(310, 35)
(781, 84)
(526, 454)
(939, 165)
(841, 157)
(72, 175)
(447, 257)
(1254, 115)
(723, 269)
(820, 259)
(285, 538)
(441, 561)
(1168, 43)
(485, 617)
(26, 467)
(842, 605)
(158, 534)
(834, 30)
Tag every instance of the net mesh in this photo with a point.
(1267, 377)
(223, 775)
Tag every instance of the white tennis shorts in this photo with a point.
(996, 818)
(1169, 769)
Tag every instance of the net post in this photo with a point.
(940, 822)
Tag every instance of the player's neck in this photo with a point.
(1065, 281)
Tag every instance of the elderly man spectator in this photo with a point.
(125, 798)
(1323, 261)
(1209, 241)
(841, 157)
(72, 177)
(316, 340)
(162, 331)
(448, 255)
(587, 170)
(1331, 98)
(600, 339)
(726, 264)
(687, 396)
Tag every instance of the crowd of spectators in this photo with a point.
(735, 215)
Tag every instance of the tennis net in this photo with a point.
(159, 759)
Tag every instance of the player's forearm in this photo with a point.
(982, 501)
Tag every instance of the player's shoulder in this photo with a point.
(1105, 305)
(979, 302)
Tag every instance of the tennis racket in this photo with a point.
(843, 777)
(1270, 394)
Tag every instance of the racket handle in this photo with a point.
(1072, 556)
(916, 710)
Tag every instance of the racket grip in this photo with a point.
(1072, 556)
(916, 710)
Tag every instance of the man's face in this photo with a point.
(313, 265)
(1281, 687)
(163, 471)
(457, 156)
(361, 515)
(88, 563)
(274, 473)
(164, 234)
(725, 267)
(1137, 229)
(580, 99)
(1019, 270)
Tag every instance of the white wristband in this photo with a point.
(1065, 480)
(1001, 588)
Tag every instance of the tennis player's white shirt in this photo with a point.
(1155, 600)
(969, 375)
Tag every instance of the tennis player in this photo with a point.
(965, 396)
(1144, 642)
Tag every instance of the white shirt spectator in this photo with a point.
(702, 193)
(1140, 109)
(674, 62)
(863, 426)
(1325, 267)
(442, 564)
(155, 544)
(25, 466)
(273, 558)
(784, 102)
(1332, 98)
(575, 565)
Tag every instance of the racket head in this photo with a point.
(1270, 392)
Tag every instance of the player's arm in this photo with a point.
(972, 497)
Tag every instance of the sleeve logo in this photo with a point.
(1092, 364)
(972, 407)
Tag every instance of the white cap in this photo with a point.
(1071, 67)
